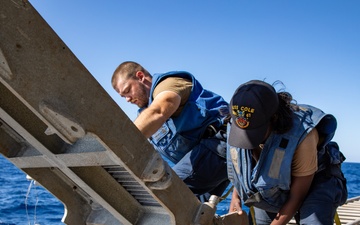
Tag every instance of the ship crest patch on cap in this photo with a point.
(242, 115)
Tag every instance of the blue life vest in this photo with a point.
(266, 183)
(178, 135)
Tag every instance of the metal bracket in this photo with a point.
(66, 128)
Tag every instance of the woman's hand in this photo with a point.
(235, 204)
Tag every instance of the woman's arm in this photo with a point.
(304, 166)
(299, 189)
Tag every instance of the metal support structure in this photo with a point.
(76, 142)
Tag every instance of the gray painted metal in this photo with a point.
(60, 127)
(348, 214)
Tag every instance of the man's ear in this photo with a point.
(140, 75)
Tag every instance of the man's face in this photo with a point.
(134, 91)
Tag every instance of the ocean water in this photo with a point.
(23, 202)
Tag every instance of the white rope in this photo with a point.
(26, 203)
(31, 184)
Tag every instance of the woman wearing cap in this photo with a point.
(280, 158)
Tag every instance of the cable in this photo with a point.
(26, 199)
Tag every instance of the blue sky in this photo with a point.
(313, 47)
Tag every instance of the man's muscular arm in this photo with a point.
(153, 117)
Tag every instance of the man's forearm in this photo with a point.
(148, 122)
(153, 117)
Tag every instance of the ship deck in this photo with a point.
(348, 214)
